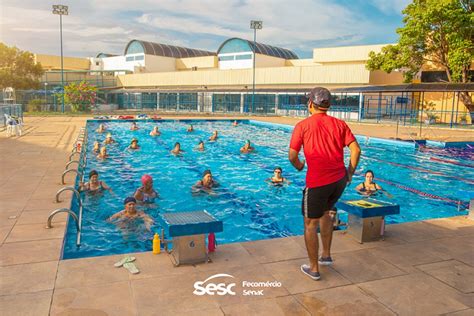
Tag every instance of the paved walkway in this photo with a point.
(422, 268)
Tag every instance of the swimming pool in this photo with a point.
(250, 208)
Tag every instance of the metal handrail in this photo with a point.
(71, 162)
(78, 196)
(66, 172)
(74, 153)
(73, 215)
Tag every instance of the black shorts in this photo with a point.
(318, 200)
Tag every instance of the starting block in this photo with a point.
(366, 217)
(188, 231)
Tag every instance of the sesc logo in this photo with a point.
(200, 287)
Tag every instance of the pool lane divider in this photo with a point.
(257, 215)
(420, 169)
(453, 162)
(425, 194)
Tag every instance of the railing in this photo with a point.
(81, 165)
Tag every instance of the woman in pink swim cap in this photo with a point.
(146, 193)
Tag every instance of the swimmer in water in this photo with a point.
(134, 126)
(134, 144)
(190, 128)
(205, 184)
(235, 123)
(213, 136)
(369, 187)
(103, 153)
(109, 140)
(277, 177)
(131, 213)
(101, 128)
(200, 146)
(146, 193)
(155, 132)
(247, 148)
(177, 149)
(96, 147)
(94, 185)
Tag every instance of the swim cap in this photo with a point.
(129, 199)
(321, 97)
(134, 140)
(108, 135)
(93, 173)
(146, 178)
(206, 172)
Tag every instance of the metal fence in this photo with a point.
(395, 108)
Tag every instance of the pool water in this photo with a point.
(249, 207)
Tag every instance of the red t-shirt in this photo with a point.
(323, 138)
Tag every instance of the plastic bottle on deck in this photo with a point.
(156, 244)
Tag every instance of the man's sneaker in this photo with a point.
(307, 270)
(325, 261)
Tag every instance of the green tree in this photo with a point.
(81, 96)
(440, 32)
(18, 69)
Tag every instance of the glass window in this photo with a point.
(135, 47)
(235, 45)
(224, 58)
(246, 56)
(139, 57)
(130, 58)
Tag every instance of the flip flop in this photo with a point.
(130, 266)
(127, 259)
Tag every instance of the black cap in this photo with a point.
(321, 97)
(129, 199)
(206, 172)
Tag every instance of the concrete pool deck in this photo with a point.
(422, 268)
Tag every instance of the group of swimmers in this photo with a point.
(102, 151)
(146, 194)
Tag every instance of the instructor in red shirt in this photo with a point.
(323, 138)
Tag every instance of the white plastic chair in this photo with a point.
(14, 125)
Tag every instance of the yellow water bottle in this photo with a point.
(156, 244)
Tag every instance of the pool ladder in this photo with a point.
(82, 155)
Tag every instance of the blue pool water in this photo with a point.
(250, 208)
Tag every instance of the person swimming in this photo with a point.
(155, 132)
(235, 123)
(131, 213)
(103, 153)
(108, 139)
(134, 144)
(177, 149)
(277, 177)
(247, 148)
(146, 193)
(205, 184)
(96, 147)
(369, 187)
(101, 128)
(213, 136)
(190, 128)
(134, 126)
(200, 146)
(94, 185)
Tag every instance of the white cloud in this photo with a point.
(107, 25)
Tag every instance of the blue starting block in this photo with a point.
(366, 217)
(188, 231)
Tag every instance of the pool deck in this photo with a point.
(422, 268)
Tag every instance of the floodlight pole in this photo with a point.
(255, 25)
(61, 10)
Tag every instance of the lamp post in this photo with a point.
(61, 10)
(45, 93)
(255, 25)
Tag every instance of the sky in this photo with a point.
(108, 25)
